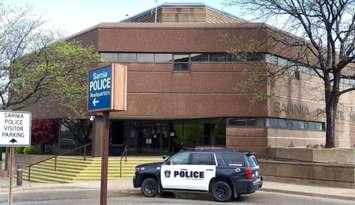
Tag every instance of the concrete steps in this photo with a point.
(75, 168)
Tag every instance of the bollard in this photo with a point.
(19, 176)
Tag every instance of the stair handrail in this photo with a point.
(123, 155)
(55, 158)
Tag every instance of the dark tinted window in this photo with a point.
(218, 57)
(145, 57)
(237, 122)
(233, 159)
(252, 122)
(163, 58)
(202, 159)
(255, 56)
(181, 67)
(181, 62)
(199, 57)
(236, 57)
(181, 58)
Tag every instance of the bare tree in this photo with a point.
(35, 66)
(329, 28)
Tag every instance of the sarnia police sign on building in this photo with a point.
(15, 129)
(107, 88)
(100, 84)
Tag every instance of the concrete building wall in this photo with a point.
(247, 139)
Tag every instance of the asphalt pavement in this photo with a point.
(122, 192)
(88, 197)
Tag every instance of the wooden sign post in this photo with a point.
(107, 91)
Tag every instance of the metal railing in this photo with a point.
(124, 155)
(56, 157)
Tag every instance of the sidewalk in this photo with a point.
(125, 185)
(308, 190)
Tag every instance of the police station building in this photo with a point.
(192, 80)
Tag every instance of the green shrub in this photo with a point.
(19, 150)
(29, 150)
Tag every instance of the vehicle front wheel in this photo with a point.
(150, 187)
(221, 191)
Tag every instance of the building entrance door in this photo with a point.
(153, 138)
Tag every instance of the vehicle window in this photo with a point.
(179, 158)
(252, 161)
(202, 159)
(233, 159)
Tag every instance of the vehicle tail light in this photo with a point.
(248, 173)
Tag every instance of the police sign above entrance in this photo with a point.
(107, 88)
(15, 129)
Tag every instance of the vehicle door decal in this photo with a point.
(190, 177)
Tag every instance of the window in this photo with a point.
(271, 59)
(252, 122)
(252, 161)
(294, 124)
(236, 57)
(179, 158)
(199, 57)
(316, 126)
(163, 57)
(145, 57)
(258, 122)
(237, 122)
(109, 57)
(181, 62)
(127, 57)
(282, 62)
(202, 159)
(218, 57)
(255, 56)
(233, 159)
(277, 123)
(193, 57)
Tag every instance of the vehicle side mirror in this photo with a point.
(167, 162)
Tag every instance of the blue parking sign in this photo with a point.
(100, 89)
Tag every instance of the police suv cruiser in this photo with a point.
(224, 173)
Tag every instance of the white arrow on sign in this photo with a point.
(94, 102)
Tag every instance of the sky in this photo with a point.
(71, 16)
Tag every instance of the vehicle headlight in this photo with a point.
(138, 169)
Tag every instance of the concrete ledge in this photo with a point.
(325, 174)
(333, 155)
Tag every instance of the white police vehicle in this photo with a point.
(224, 173)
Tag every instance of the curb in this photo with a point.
(64, 188)
(309, 194)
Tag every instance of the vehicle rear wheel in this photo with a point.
(221, 191)
(150, 187)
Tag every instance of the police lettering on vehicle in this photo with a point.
(190, 174)
(185, 174)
